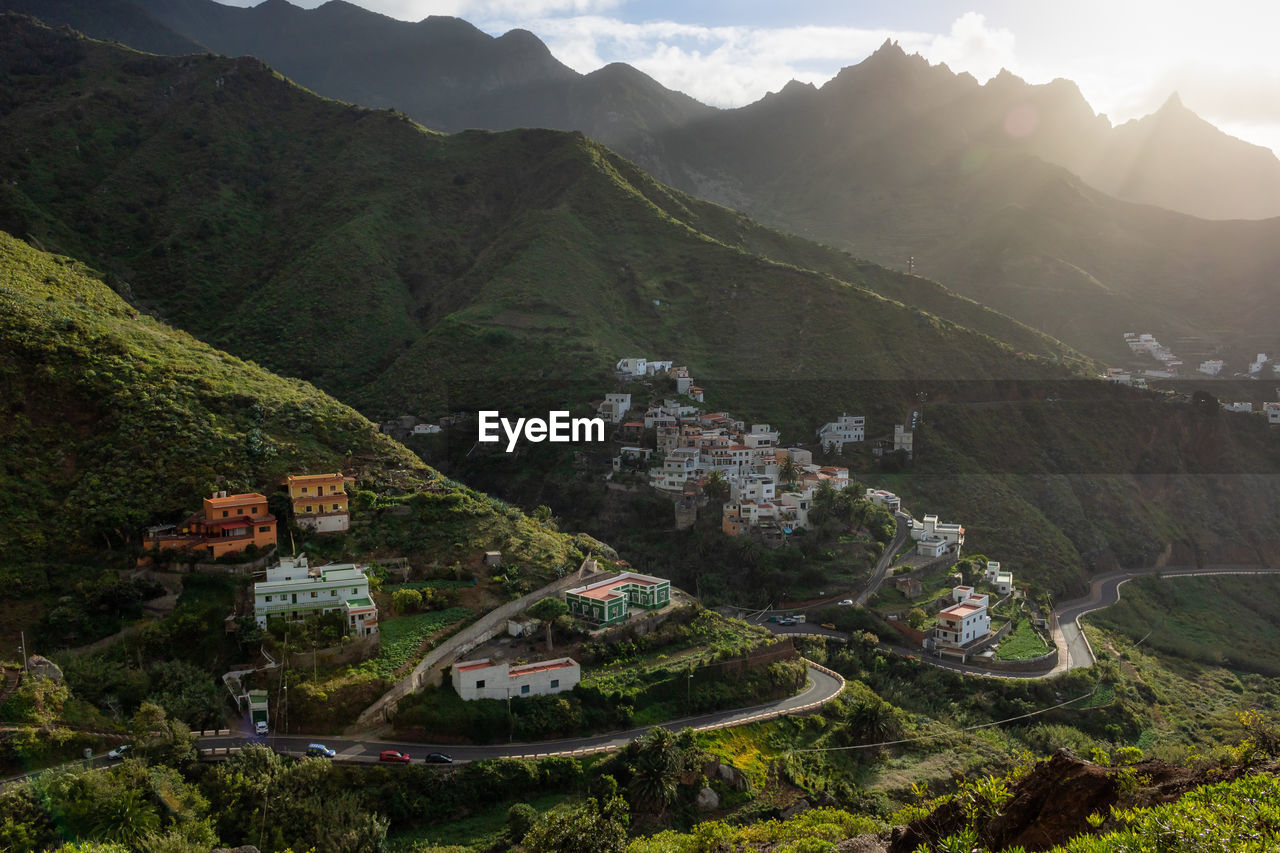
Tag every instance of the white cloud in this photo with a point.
(974, 47)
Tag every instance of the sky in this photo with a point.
(1127, 56)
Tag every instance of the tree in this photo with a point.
(787, 470)
(656, 773)
(548, 610)
(160, 739)
(716, 488)
(916, 618)
(593, 827)
(406, 600)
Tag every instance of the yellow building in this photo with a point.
(319, 502)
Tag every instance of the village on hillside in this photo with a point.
(767, 488)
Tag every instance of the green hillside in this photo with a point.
(402, 269)
(111, 420)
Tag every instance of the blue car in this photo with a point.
(321, 750)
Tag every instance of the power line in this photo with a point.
(943, 734)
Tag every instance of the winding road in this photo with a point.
(1074, 651)
(823, 685)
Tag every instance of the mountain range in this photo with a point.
(404, 270)
(1015, 195)
(407, 270)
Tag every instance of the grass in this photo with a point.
(481, 830)
(431, 584)
(403, 637)
(1227, 621)
(1022, 643)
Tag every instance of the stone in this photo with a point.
(800, 806)
(708, 800)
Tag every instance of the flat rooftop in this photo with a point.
(607, 589)
(962, 610)
(540, 666)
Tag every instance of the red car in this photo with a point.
(393, 755)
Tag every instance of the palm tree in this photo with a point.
(716, 487)
(657, 771)
(787, 470)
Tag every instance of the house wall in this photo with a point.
(334, 522)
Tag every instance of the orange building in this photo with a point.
(319, 502)
(226, 524)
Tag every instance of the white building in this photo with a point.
(1212, 367)
(846, 429)
(679, 466)
(794, 509)
(293, 590)
(615, 407)
(632, 366)
(963, 622)
(798, 455)
(1273, 412)
(933, 539)
(888, 500)
(754, 488)
(1256, 366)
(903, 439)
(426, 429)
(1238, 407)
(483, 679)
(631, 454)
(998, 578)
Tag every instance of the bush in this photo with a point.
(520, 819)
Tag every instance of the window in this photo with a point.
(264, 529)
(304, 490)
(355, 591)
(308, 509)
(225, 513)
(268, 598)
(555, 682)
(333, 593)
(524, 688)
(313, 593)
(480, 684)
(335, 507)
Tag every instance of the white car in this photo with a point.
(261, 727)
(119, 752)
(848, 602)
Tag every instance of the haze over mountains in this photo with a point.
(405, 270)
(1012, 194)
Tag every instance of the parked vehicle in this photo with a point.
(846, 602)
(787, 620)
(260, 727)
(437, 758)
(829, 626)
(321, 750)
(119, 752)
(394, 755)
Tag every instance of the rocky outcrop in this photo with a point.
(1053, 803)
(707, 801)
(731, 776)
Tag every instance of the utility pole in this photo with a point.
(25, 667)
(911, 265)
(511, 723)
